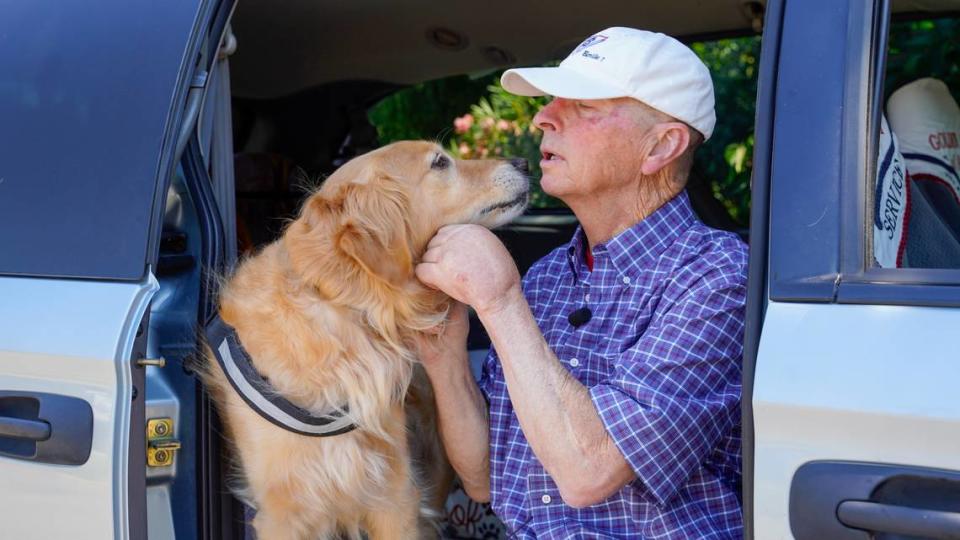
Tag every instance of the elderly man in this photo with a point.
(609, 405)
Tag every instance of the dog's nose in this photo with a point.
(521, 165)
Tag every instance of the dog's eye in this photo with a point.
(440, 162)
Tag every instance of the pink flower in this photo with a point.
(463, 149)
(463, 123)
(487, 123)
(503, 125)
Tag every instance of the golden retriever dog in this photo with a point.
(328, 315)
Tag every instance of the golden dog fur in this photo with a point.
(328, 314)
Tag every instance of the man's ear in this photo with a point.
(673, 140)
(374, 229)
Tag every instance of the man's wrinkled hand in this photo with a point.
(471, 265)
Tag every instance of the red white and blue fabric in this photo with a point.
(661, 357)
(891, 212)
(926, 119)
(922, 136)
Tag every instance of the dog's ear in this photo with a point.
(374, 229)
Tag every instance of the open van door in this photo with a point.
(93, 97)
(856, 419)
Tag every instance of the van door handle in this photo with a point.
(29, 430)
(45, 428)
(894, 519)
(843, 500)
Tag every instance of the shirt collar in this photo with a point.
(640, 245)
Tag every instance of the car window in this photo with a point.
(916, 197)
(85, 94)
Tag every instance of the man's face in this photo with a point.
(590, 147)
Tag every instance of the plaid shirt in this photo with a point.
(661, 358)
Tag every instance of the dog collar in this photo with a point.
(263, 398)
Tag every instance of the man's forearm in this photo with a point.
(464, 427)
(555, 410)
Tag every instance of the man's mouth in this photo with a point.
(548, 156)
(519, 200)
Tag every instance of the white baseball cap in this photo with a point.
(625, 62)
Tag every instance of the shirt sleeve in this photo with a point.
(676, 391)
(487, 374)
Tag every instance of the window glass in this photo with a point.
(916, 201)
(85, 92)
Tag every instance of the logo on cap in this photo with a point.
(592, 40)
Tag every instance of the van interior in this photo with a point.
(286, 105)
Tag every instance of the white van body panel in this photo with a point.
(72, 338)
(863, 383)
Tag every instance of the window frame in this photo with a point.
(861, 281)
(813, 118)
(820, 222)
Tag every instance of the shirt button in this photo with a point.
(546, 499)
(586, 297)
(574, 362)
(626, 280)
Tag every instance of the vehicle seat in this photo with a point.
(267, 197)
(926, 120)
(710, 211)
(175, 257)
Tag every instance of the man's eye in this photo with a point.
(583, 105)
(440, 162)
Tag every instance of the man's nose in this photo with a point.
(546, 118)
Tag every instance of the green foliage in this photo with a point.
(726, 160)
(425, 110)
(733, 191)
(919, 49)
